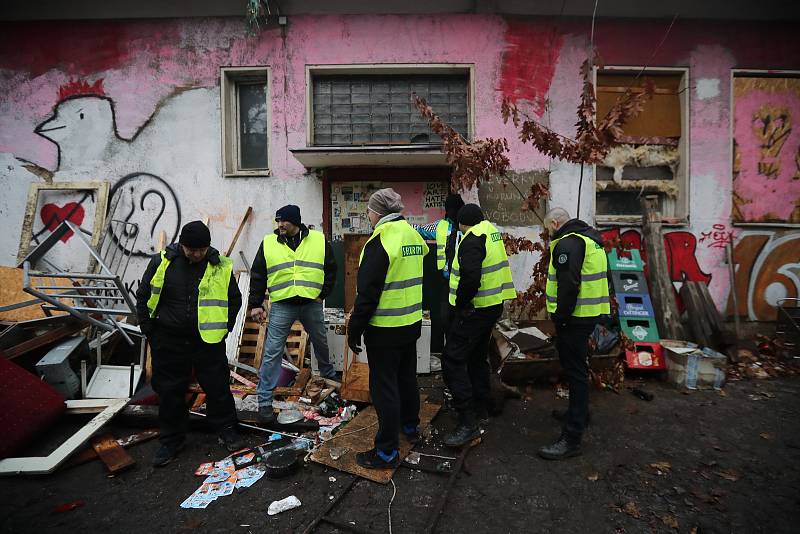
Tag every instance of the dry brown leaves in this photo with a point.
(593, 138)
(728, 474)
(661, 468)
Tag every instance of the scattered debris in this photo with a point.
(276, 507)
(729, 474)
(593, 477)
(66, 507)
(662, 468)
(642, 394)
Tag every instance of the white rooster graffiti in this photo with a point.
(83, 126)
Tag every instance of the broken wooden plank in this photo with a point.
(42, 465)
(83, 406)
(239, 230)
(111, 453)
(662, 292)
(88, 454)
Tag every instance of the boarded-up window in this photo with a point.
(378, 109)
(651, 160)
(766, 149)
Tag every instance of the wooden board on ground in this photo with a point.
(356, 442)
(88, 454)
(296, 344)
(111, 453)
(11, 293)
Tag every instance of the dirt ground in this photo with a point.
(685, 462)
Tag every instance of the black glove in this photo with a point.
(354, 343)
(560, 322)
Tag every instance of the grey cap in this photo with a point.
(385, 201)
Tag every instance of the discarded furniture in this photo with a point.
(787, 327)
(26, 336)
(27, 406)
(95, 298)
(112, 381)
(55, 368)
(47, 464)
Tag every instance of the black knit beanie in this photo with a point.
(470, 215)
(289, 213)
(195, 235)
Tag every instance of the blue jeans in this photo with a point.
(281, 318)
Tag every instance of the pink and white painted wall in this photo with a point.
(137, 103)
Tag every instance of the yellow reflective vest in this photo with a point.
(212, 298)
(593, 297)
(442, 233)
(295, 273)
(400, 303)
(496, 282)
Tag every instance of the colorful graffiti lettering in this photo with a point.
(767, 270)
(680, 248)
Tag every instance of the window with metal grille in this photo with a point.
(379, 110)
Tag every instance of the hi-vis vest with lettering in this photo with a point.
(295, 273)
(400, 303)
(593, 293)
(496, 282)
(442, 233)
(212, 297)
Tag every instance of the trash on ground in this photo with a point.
(276, 507)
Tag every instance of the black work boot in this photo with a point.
(372, 459)
(166, 453)
(562, 449)
(466, 431)
(265, 415)
(230, 439)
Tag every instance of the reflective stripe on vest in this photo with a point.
(295, 273)
(212, 297)
(442, 233)
(593, 297)
(496, 282)
(400, 303)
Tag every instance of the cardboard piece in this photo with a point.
(355, 440)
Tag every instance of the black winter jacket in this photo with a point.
(258, 272)
(370, 281)
(177, 307)
(567, 259)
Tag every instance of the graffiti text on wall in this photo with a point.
(767, 270)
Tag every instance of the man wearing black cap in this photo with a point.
(296, 267)
(480, 282)
(187, 303)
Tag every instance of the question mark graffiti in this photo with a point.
(164, 214)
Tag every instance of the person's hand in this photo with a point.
(354, 344)
(318, 300)
(258, 314)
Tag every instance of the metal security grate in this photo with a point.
(378, 109)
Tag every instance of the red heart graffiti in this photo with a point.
(52, 215)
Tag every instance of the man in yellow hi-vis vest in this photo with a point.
(577, 298)
(295, 265)
(480, 282)
(186, 303)
(388, 313)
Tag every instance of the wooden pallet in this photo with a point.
(355, 377)
(296, 344)
(251, 345)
